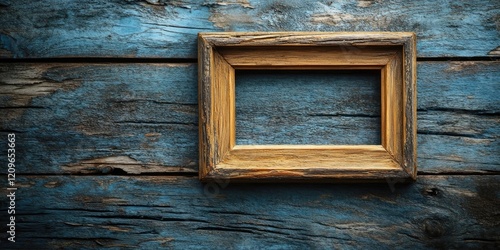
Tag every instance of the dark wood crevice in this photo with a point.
(458, 173)
(132, 210)
(140, 60)
(104, 60)
(72, 78)
(458, 59)
(458, 134)
(146, 123)
(195, 174)
(482, 112)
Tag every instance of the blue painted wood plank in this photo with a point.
(117, 212)
(84, 112)
(142, 118)
(459, 116)
(303, 107)
(145, 29)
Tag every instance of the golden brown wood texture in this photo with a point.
(394, 53)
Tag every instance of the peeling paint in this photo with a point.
(109, 227)
(152, 134)
(107, 165)
(100, 201)
(242, 3)
(495, 52)
(336, 15)
(464, 66)
(155, 2)
(227, 14)
(114, 201)
(116, 229)
(226, 20)
(479, 141)
(22, 83)
(332, 18)
(52, 184)
(365, 3)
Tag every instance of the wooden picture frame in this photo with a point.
(393, 53)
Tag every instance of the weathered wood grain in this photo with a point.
(307, 163)
(220, 53)
(75, 212)
(155, 28)
(462, 99)
(142, 118)
(342, 52)
(144, 113)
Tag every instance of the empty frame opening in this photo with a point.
(320, 107)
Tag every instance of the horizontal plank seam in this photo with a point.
(195, 174)
(458, 58)
(459, 173)
(99, 60)
(165, 174)
(195, 60)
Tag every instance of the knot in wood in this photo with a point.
(433, 228)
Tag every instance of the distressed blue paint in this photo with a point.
(304, 107)
(109, 110)
(176, 212)
(459, 86)
(88, 28)
(69, 113)
(109, 116)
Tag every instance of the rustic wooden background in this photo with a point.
(102, 96)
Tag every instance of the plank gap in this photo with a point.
(195, 60)
(458, 58)
(84, 60)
